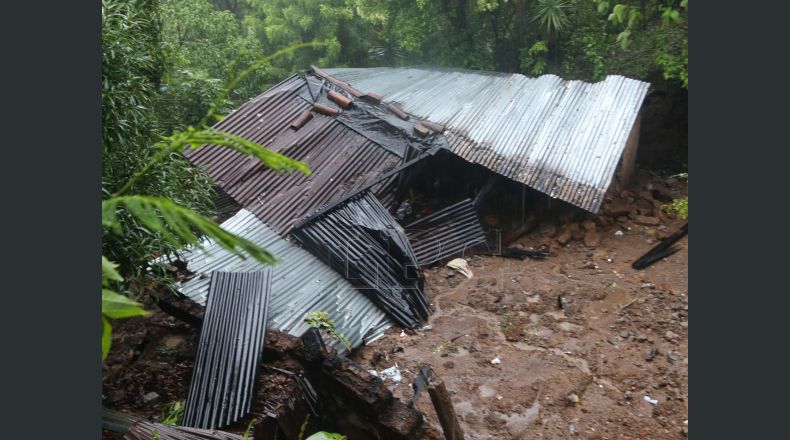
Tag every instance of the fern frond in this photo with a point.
(178, 225)
(271, 159)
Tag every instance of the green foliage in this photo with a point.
(679, 207)
(552, 14)
(320, 320)
(200, 41)
(535, 59)
(113, 304)
(133, 63)
(247, 431)
(150, 206)
(674, 66)
(173, 414)
(177, 224)
(323, 435)
(651, 33)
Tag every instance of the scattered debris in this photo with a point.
(461, 266)
(420, 382)
(150, 397)
(496, 361)
(618, 233)
(392, 373)
(661, 250)
(651, 401)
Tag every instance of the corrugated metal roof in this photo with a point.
(300, 284)
(563, 138)
(362, 241)
(445, 232)
(229, 349)
(341, 159)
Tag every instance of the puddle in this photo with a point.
(521, 420)
(486, 391)
(612, 302)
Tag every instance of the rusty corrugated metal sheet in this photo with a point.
(156, 431)
(362, 242)
(563, 138)
(341, 159)
(445, 232)
(229, 349)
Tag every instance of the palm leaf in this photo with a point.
(108, 271)
(116, 306)
(179, 225)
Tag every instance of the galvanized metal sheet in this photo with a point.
(362, 241)
(445, 232)
(300, 284)
(229, 349)
(563, 138)
(341, 159)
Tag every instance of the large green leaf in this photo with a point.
(323, 435)
(108, 272)
(176, 224)
(106, 337)
(115, 305)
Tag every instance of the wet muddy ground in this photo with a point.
(580, 371)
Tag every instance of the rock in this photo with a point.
(588, 225)
(660, 235)
(650, 353)
(150, 397)
(617, 208)
(549, 230)
(670, 335)
(647, 195)
(449, 365)
(589, 265)
(573, 398)
(576, 229)
(592, 238)
(565, 237)
(570, 327)
(646, 220)
(624, 334)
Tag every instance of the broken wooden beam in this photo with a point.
(444, 409)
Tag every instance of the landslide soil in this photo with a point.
(580, 371)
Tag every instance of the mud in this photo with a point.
(579, 371)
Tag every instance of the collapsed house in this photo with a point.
(346, 238)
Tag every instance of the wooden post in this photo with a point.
(444, 409)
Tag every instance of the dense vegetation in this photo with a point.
(576, 39)
(169, 70)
